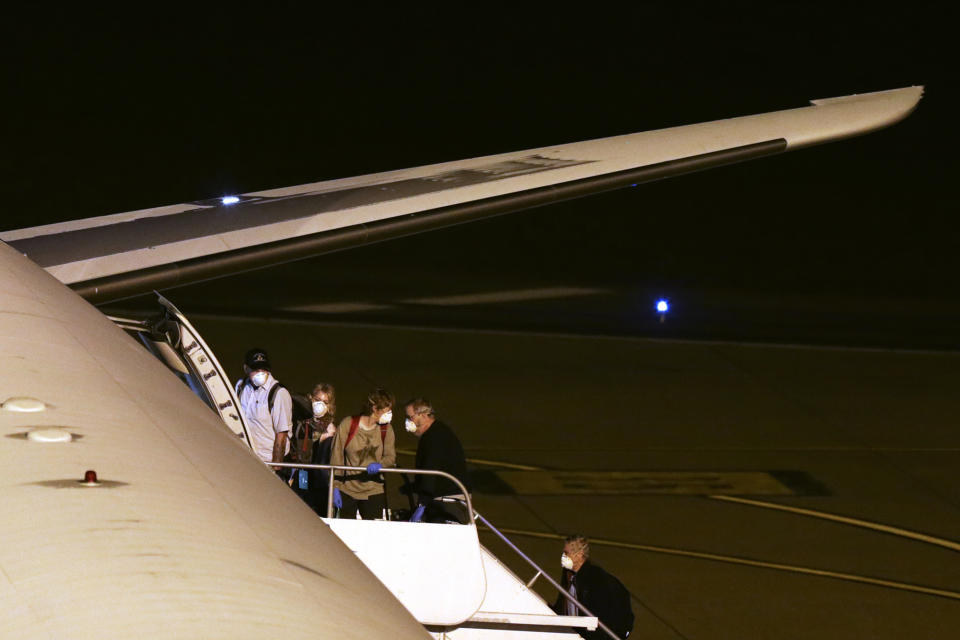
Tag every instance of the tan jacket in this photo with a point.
(364, 448)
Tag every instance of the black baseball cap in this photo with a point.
(257, 358)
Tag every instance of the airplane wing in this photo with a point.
(120, 255)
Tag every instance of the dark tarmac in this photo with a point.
(847, 456)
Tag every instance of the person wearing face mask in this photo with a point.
(312, 438)
(267, 407)
(364, 440)
(439, 449)
(595, 589)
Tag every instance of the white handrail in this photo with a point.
(422, 472)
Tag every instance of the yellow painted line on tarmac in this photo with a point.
(823, 573)
(482, 462)
(866, 524)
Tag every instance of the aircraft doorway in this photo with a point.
(173, 340)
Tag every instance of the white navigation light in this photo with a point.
(229, 200)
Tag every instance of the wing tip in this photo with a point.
(912, 93)
(857, 114)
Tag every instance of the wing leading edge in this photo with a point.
(120, 255)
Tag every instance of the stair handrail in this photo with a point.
(541, 572)
(421, 472)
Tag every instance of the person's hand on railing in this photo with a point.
(337, 499)
(418, 513)
(374, 467)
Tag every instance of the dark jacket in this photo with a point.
(320, 478)
(602, 594)
(439, 449)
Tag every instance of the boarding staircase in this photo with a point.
(450, 582)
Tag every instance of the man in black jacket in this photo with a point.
(597, 590)
(439, 449)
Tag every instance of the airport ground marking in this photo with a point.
(866, 524)
(656, 482)
(822, 573)
(757, 563)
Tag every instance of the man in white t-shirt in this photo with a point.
(267, 407)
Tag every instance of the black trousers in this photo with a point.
(370, 509)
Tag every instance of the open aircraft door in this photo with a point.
(173, 340)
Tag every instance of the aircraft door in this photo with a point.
(206, 370)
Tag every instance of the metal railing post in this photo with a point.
(330, 495)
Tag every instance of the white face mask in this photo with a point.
(319, 408)
(566, 562)
(259, 378)
(385, 418)
(410, 425)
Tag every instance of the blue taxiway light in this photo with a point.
(229, 200)
(662, 306)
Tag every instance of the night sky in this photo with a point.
(113, 112)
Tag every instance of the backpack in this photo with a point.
(302, 409)
(355, 424)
